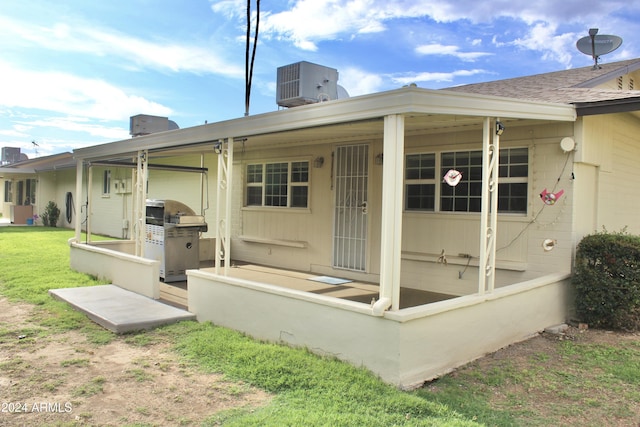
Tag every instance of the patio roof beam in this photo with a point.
(151, 166)
(400, 101)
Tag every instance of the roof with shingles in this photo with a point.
(41, 164)
(567, 86)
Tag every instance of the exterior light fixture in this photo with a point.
(217, 147)
(379, 159)
(318, 162)
(499, 127)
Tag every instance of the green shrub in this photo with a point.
(607, 281)
(51, 215)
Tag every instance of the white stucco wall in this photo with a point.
(404, 348)
(607, 174)
(112, 261)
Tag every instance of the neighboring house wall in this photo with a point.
(66, 180)
(112, 210)
(185, 186)
(111, 207)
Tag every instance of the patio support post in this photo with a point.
(78, 201)
(391, 233)
(223, 205)
(489, 210)
(142, 176)
(89, 208)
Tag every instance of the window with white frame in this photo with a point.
(513, 182)
(467, 194)
(423, 189)
(278, 184)
(420, 176)
(31, 191)
(8, 192)
(106, 182)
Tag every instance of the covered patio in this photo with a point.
(406, 326)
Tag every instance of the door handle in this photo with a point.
(363, 205)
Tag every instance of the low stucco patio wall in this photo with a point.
(112, 260)
(404, 348)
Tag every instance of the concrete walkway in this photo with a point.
(120, 310)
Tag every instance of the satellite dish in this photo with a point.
(596, 45)
(568, 144)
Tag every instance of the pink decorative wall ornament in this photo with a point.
(452, 177)
(550, 198)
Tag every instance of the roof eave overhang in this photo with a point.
(408, 100)
(628, 105)
(10, 172)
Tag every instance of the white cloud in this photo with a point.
(438, 49)
(434, 77)
(544, 38)
(359, 82)
(71, 95)
(80, 124)
(307, 22)
(157, 54)
(14, 132)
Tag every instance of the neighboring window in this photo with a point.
(420, 182)
(422, 188)
(8, 192)
(106, 182)
(282, 184)
(31, 191)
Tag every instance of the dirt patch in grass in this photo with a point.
(61, 378)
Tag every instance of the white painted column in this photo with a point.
(223, 206)
(139, 213)
(89, 209)
(489, 211)
(78, 201)
(391, 232)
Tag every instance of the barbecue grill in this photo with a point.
(172, 237)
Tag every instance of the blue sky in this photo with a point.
(72, 72)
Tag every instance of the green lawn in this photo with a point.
(317, 391)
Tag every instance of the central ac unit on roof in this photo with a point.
(306, 83)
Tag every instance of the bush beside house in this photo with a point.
(51, 215)
(607, 281)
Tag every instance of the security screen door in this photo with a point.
(350, 218)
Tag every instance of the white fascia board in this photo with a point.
(17, 171)
(408, 100)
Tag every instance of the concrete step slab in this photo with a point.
(120, 310)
